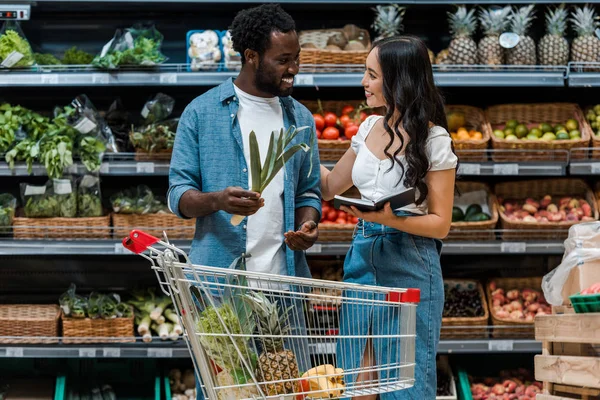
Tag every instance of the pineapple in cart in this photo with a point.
(586, 46)
(493, 22)
(524, 53)
(553, 48)
(462, 49)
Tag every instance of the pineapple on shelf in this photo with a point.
(388, 20)
(553, 48)
(524, 53)
(586, 47)
(493, 23)
(275, 363)
(462, 49)
(442, 57)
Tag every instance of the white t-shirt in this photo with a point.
(371, 177)
(265, 229)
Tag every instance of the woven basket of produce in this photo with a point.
(336, 225)
(592, 115)
(29, 322)
(474, 211)
(547, 207)
(162, 155)
(332, 232)
(324, 49)
(537, 127)
(464, 308)
(513, 304)
(470, 131)
(98, 330)
(154, 224)
(62, 228)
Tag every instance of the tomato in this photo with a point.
(363, 116)
(332, 215)
(319, 134)
(341, 221)
(330, 119)
(347, 109)
(351, 130)
(331, 133)
(319, 121)
(344, 120)
(354, 220)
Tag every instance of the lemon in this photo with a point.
(532, 136)
(499, 134)
(575, 134)
(535, 131)
(572, 125)
(511, 137)
(562, 135)
(511, 124)
(521, 131)
(549, 136)
(545, 127)
(509, 132)
(558, 128)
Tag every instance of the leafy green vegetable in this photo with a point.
(26, 150)
(97, 305)
(42, 207)
(11, 41)
(90, 150)
(89, 206)
(73, 305)
(68, 205)
(10, 122)
(138, 200)
(139, 47)
(154, 137)
(7, 212)
(74, 56)
(46, 59)
(56, 152)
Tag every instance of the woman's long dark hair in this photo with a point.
(410, 91)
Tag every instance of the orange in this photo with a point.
(464, 135)
(477, 136)
(462, 131)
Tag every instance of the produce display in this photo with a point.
(96, 305)
(138, 200)
(524, 53)
(493, 23)
(87, 391)
(182, 384)
(594, 289)
(518, 385)
(204, 51)
(333, 127)
(586, 45)
(155, 314)
(515, 304)
(473, 213)
(514, 130)
(388, 20)
(593, 117)
(46, 59)
(15, 51)
(462, 49)
(75, 56)
(7, 212)
(332, 216)
(137, 46)
(547, 209)
(350, 38)
(462, 302)
(553, 48)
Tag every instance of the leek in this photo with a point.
(158, 310)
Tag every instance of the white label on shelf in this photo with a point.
(304, 79)
(104, 168)
(513, 247)
(506, 169)
(144, 168)
(160, 353)
(119, 249)
(469, 169)
(85, 126)
(500, 345)
(315, 249)
(14, 352)
(101, 79)
(12, 59)
(169, 78)
(49, 79)
(111, 352)
(595, 168)
(34, 190)
(62, 186)
(87, 352)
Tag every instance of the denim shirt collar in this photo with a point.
(227, 92)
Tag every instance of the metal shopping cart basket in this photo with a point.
(261, 336)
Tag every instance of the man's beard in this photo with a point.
(266, 81)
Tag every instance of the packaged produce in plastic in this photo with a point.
(157, 109)
(204, 51)
(8, 203)
(89, 200)
(38, 200)
(66, 195)
(15, 50)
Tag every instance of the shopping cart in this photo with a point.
(261, 336)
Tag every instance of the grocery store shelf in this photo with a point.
(489, 346)
(70, 247)
(584, 75)
(584, 168)
(319, 1)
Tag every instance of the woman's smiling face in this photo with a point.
(372, 81)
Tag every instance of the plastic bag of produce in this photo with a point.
(139, 200)
(119, 120)
(135, 46)
(89, 199)
(73, 305)
(15, 51)
(66, 195)
(157, 109)
(39, 201)
(8, 203)
(583, 235)
(87, 121)
(155, 137)
(204, 51)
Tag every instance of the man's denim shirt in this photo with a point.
(208, 156)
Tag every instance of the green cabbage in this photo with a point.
(11, 41)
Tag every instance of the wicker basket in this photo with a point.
(464, 230)
(336, 232)
(311, 58)
(29, 321)
(595, 142)
(526, 329)
(154, 224)
(475, 119)
(162, 155)
(87, 330)
(536, 189)
(462, 333)
(62, 228)
(533, 115)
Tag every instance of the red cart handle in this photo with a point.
(139, 241)
(410, 296)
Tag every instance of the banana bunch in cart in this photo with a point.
(254, 335)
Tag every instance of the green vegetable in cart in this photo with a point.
(13, 45)
(46, 59)
(74, 56)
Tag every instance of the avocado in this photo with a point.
(473, 209)
(457, 214)
(478, 217)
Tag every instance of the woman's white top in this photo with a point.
(371, 177)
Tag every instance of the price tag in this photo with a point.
(49, 79)
(513, 247)
(100, 79)
(144, 168)
(506, 169)
(500, 345)
(160, 353)
(12, 59)
(15, 352)
(119, 249)
(111, 352)
(304, 80)
(315, 249)
(87, 353)
(168, 78)
(469, 169)
(595, 168)
(104, 168)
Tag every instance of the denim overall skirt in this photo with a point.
(383, 256)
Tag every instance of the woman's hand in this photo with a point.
(385, 216)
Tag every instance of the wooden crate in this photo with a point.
(569, 364)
